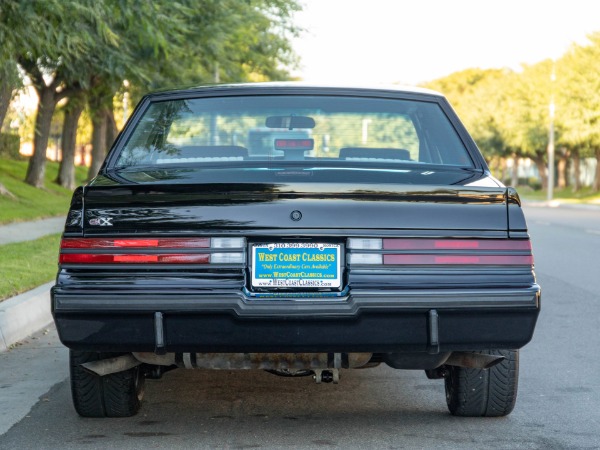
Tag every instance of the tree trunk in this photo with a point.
(495, 166)
(561, 181)
(515, 171)
(8, 82)
(99, 123)
(541, 166)
(43, 120)
(577, 171)
(563, 165)
(502, 169)
(66, 173)
(111, 128)
(5, 96)
(597, 176)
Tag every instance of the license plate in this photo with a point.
(296, 265)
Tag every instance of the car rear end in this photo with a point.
(372, 233)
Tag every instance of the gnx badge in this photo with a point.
(102, 221)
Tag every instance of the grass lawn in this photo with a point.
(26, 265)
(585, 195)
(32, 203)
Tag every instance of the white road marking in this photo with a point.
(592, 231)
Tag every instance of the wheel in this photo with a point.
(484, 392)
(115, 395)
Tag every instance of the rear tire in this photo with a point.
(484, 392)
(115, 395)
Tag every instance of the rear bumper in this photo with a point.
(434, 321)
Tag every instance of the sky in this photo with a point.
(414, 41)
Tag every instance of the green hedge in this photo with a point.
(9, 146)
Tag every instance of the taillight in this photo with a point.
(456, 244)
(217, 250)
(440, 251)
(96, 243)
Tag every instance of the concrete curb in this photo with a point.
(23, 315)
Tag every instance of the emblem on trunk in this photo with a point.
(101, 221)
(296, 215)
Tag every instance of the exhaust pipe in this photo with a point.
(473, 360)
(262, 361)
(112, 365)
(230, 361)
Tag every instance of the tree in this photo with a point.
(224, 41)
(49, 95)
(478, 97)
(9, 77)
(46, 38)
(73, 110)
(86, 48)
(579, 103)
(194, 42)
(526, 114)
(9, 80)
(508, 112)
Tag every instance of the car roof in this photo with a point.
(294, 87)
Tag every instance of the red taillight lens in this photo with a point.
(90, 258)
(85, 258)
(135, 243)
(152, 251)
(458, 259)
(456, 244)
(405, 251)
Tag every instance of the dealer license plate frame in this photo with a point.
(297, 273)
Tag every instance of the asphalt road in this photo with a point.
(558, 405)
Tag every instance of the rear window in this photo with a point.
(293, 130)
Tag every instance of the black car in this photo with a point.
(300, 230)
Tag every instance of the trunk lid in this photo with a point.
(284, 208)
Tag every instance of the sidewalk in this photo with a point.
(28, 231)
(25, 314)
(560, 204)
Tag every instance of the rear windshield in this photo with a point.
(293, 130)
